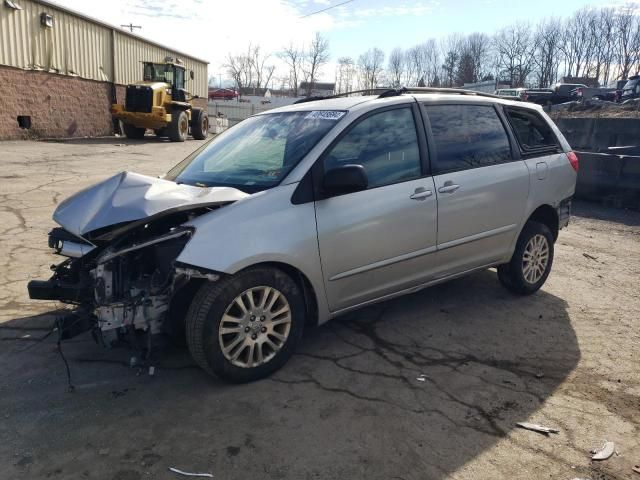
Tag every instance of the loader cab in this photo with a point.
(169, 73)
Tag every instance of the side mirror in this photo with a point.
(345, 179)
(191, 75)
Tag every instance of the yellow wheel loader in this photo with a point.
(161, 103)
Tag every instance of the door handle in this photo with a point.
(448, 187)
(421, 193)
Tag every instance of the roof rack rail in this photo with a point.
(368, 91)
(458, 91)
(393, 92)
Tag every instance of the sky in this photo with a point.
(211, 29)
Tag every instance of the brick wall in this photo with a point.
(59, 106)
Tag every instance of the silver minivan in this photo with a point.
(301, 213)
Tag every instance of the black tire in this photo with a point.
(210, 303)
(178, 129)
(160, 132)
(199, 124)
(131, 131)
(512, 274)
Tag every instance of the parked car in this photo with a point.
(222, 94)
(610, 93)
(631, 89)
(539, 96)
(302, 213)
(511, 93)
(558, 93)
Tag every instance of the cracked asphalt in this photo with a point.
(426, 386)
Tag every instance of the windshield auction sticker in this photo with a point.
(325, 115)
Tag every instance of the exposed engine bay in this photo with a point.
(123, 279)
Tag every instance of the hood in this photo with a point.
(127, 197)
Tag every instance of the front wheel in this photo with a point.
(179, 126)
(245, 327)
(531, 262)
(131, 131)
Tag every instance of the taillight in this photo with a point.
(573, 160)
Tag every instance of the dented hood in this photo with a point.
(127, 197)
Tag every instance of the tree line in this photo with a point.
(599, 43)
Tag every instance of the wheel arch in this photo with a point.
(548, 216)
(303, 282)
(184, 295)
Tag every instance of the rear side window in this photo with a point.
(467, 136)
(385, 144)
(533, 133)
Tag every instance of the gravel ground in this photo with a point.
(349, 404)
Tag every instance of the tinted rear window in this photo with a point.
(532, 131)
(467, 136)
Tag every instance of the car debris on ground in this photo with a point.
(188, 474)
(604, 452)
(537, 428)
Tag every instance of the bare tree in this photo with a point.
(345, 74)
(257, 61)
(477, 48)
(451, 49)
(370, 64)
(268, 73)
(315, 58)
(396, 67)
(577, 42)
(602, 29)
(628, 27)
(514, 49)
(547, 57)
(239, 69)
(294, 58)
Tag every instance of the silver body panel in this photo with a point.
(357, 248)
(377, 241)
(127, 197)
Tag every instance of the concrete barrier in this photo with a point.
(598, 134)
(608, 173)
(610, 179)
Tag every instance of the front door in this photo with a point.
(381, 240)
(481, 185)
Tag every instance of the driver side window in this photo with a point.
(385, 144)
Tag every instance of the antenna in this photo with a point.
(131, 26)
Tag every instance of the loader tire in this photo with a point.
(179, 127)
(131, 131)
(199, 124)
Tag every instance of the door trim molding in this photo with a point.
(409, 290)
(384, 263)
(477, 236)
(424, 251)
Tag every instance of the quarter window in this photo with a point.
(385, 144)
(467, 136)
(532, 132)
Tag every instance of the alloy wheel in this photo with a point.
(535, 258)
(255, 327)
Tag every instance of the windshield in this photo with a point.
(631, 84)
(164, 72)
(257, 153)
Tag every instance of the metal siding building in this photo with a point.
(74, 47)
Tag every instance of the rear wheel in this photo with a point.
(199, 124)
(531, 262)
(179, 126)
(131, 131)
(245, 327)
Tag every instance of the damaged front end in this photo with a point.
(122, 277)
